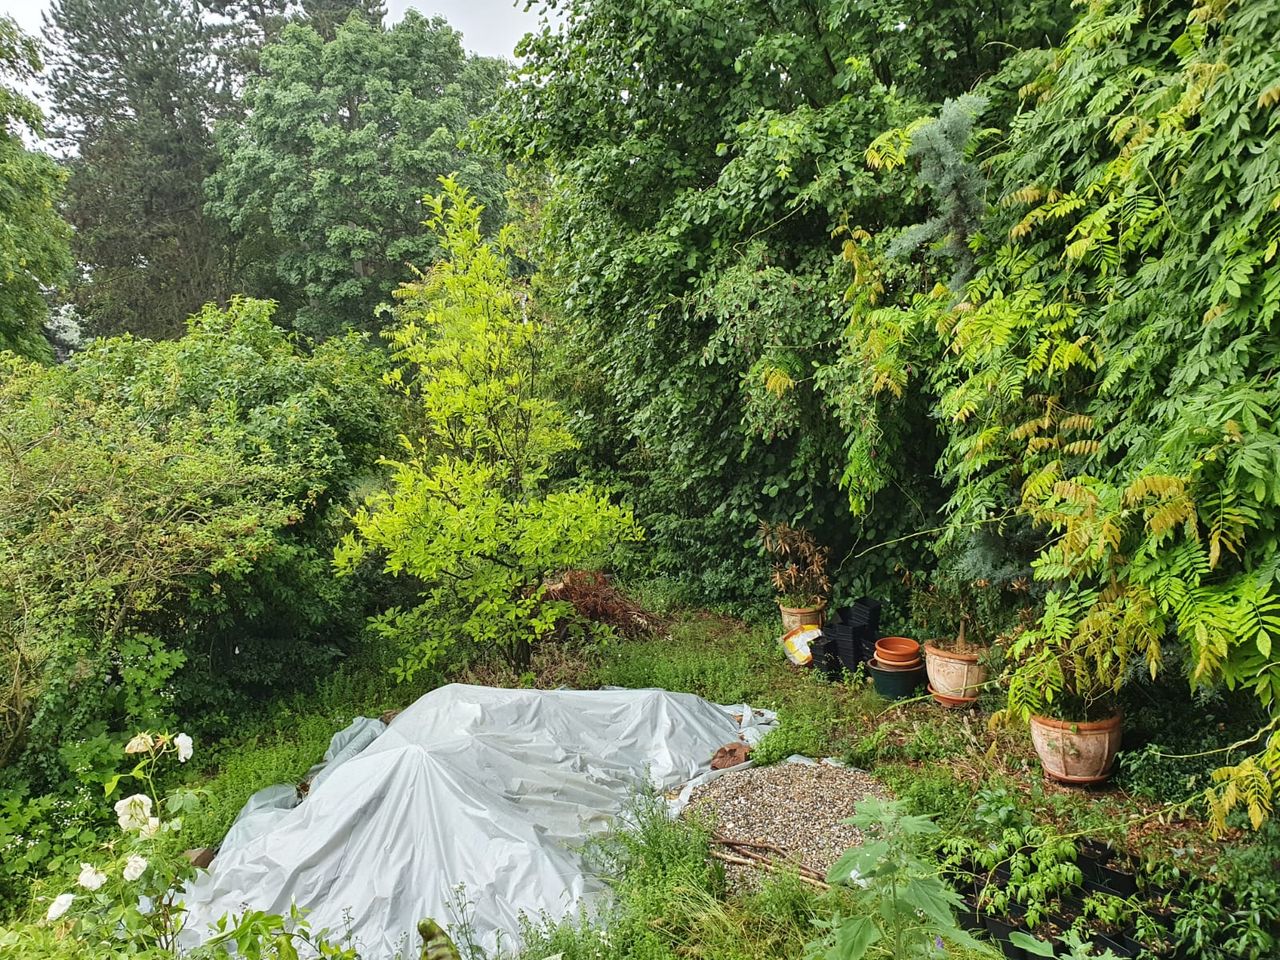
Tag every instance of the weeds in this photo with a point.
(670, 901)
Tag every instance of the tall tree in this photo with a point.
(710, 164)
(135, 88)
(322, 183)
(33, 238)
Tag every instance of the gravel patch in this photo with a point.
(794, 806)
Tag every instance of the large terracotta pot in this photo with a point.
(1076, 751)
(956, 676)
(793, 617)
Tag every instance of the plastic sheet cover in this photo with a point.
(472, 796)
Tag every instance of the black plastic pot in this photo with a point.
(826, 659)
(855, 629)
(1104, 870)
(968, 915)
(1000, 928)
(895, 684)
(1118, 880)
(1116, 944)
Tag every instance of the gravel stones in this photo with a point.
(794, 806)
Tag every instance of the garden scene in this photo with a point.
(703, 480)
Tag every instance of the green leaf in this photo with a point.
(853, 938)
(1031, 944)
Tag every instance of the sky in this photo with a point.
(491, 27)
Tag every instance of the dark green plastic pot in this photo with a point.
(895, 684)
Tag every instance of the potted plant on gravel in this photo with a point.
(799, 573)
(1064, 681)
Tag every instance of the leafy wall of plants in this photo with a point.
(706, 160)
(1108, 375)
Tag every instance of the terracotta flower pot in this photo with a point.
(793, 617)
(897, 650)
(1076, 752)
(956, 676)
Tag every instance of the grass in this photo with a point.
(670, 901)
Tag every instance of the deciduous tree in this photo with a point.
(322, 183)
(33, 238)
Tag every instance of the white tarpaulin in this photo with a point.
(485, 790)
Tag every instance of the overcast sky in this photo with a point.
(488, 26)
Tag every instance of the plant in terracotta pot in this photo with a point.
(799, 573)
(1067, 672)
(949, 610)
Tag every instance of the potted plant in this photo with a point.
(799, 573)
(1064, 681)
(949, 610)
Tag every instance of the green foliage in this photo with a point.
(134, 90)
(705, 153)
(125, 899)
(168, 514)
(901, 907)
(1234, 911)
(956, 185)
(34, 240)
(1103, 375)
(346, 128)
(684, 663)
(469, 513)
(796, 733)
(1041, 867)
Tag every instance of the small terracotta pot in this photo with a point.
(886, 665)
(956, 676)
(897, 650)
(793, 617)
(1076, 752)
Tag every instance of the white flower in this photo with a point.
(183, 743)
(141, 743)
(91, 878)
(134, 867)
(133, 812)
(150, 828)
(61, 904)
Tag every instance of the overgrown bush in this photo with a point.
(167, 517)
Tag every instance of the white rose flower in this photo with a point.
(183, 743)
(142, 743)
(61, 904)
(133, 812)
(134, 867)
(150, 828)
(91, 878)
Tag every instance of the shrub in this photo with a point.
(470, 513)
(166, 511)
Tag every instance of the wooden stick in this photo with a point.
(787, 857)
(769, 865)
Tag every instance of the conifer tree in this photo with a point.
(135, 87)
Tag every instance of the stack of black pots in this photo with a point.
(849, 638)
